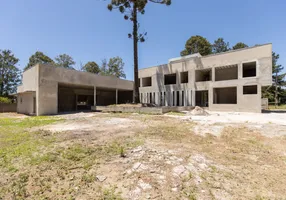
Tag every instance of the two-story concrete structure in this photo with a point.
(229, 81)
(48, 89)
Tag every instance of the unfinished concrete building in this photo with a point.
(229, 81)
(49, 90)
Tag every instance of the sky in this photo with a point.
(88, 31)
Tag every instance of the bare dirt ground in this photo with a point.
(132, 156)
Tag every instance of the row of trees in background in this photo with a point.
(114, 67)
(199, 44)
(10, 74)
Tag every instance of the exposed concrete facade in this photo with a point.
(39, 93)
(229, 81)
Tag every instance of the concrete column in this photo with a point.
(193, 97)
(239, 70)
(94, 96)
(116, 96)
(171, 98)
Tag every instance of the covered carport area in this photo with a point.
(72, 97)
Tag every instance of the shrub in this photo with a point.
(5, 100)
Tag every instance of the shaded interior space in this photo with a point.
(227, 95)
(203, 75)
(202, 98)
(250, 89)
(124, 97)
(249, 69)
(170, 79)
(146, 82)
(74, 98)
(184, 77)
(226, 73)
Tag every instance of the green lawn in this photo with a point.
(16, 141)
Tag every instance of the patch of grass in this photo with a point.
(88, 178)
(170, 130)
(18, 187)
(176, 113)
(110, 194)
(18, 142)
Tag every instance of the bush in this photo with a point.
(5, 100)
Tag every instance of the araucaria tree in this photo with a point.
(9, 73)
(131, 9)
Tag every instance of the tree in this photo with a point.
(38, 57)
(277, 90)
(197, 44)
(220, 46)
(114, 67)
(64, 60)
(9, 73)
(239, 45)
(131, 9)
(91, 67)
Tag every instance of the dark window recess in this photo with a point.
(173, 98)
(226, 95)
(226, 73)
(184, 77)
(178, 98)
(249, 69)
(250, 89)
(203, 75)
(139, 84)
(146, 82)
(170, 79)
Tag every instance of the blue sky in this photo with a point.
(87, 31)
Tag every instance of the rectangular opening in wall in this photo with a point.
(154, 98)
(151, 100)
(202, 98)
(173, 98)
(183, 98)
(170, 79)
(146, 82)
(178, 98)
(227, 95)
(250, 89)
(226, 73)
(203, 75)
(184, 77)
(249, 69)
(139, 84)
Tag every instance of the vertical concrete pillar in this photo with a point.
(239, 70)
(171, 98)
(94, 96)
(116, 96)
(180, 98)
(193, 97)
(175, 98)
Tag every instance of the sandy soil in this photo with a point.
(220, 156)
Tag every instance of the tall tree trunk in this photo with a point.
(135, 51)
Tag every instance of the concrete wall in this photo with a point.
(25, 103)
(8, 107)
(262, 55)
